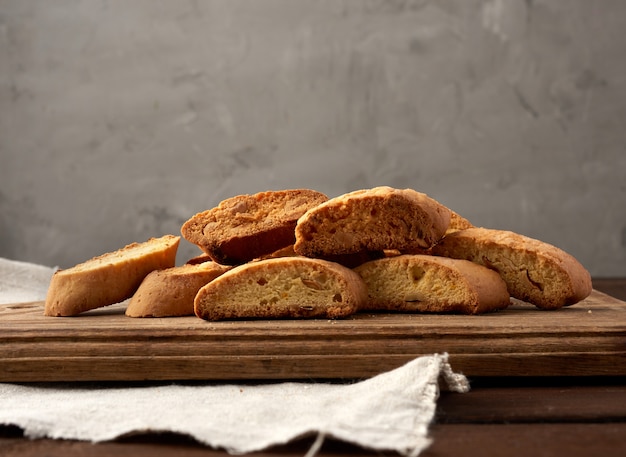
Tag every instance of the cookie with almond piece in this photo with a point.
(424, 283)
(534, 271)
(282, 287)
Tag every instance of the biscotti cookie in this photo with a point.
(377, 219)
(247, 227)
(534, 271)
(424, 283)
(284, 287)
(458, 222)
(171, 292)
(109, 278)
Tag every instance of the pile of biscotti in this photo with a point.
(298, 254)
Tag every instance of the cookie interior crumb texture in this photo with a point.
(295, 287)
(423, 283)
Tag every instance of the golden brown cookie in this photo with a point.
(247, 227)
(371, 220)
(424, 283)
(534, 271)
(109, 278)
(283, 287)
(171, 292)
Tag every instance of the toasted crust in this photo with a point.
(284, 287)
(534, 271)
(171, 292)
(109, 278)
(371, 220)
(424, 283)
(247, 227)
(458, 222)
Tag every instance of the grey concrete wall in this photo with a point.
(121, 119)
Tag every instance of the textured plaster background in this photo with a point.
(121, 119)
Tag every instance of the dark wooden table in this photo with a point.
(500, 416)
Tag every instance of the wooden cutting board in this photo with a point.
(586, 339)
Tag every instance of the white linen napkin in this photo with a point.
(389, 412)
(22, 282)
